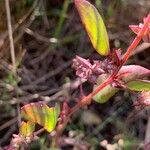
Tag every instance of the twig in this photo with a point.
(62, 18)
(39, 131)
(40, 37)
(18, 26)
(8, 123)
(8, 134)
(12, 49)
(28, 97)
(46, 76)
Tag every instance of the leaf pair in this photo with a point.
(41, 114)
(131, 76)
(94, 26)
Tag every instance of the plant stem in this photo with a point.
(10, 32)
(62, 18)
(87, 99)
(136, 40)
(133, 45)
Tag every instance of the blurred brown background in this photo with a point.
(47, 35)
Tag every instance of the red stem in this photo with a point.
(87, 99)
(133, 45)
(136, 40)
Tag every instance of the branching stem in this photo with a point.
(87, 99)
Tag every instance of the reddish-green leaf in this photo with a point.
(94, 26)
(133, 72)
(42, 114)
(26, 128)
(139, 85)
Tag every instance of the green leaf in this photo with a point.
(26, 128)
(106, 93)
(139, 85)
(41, 114)
(94, 26)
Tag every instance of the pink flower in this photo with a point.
(87, 70)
